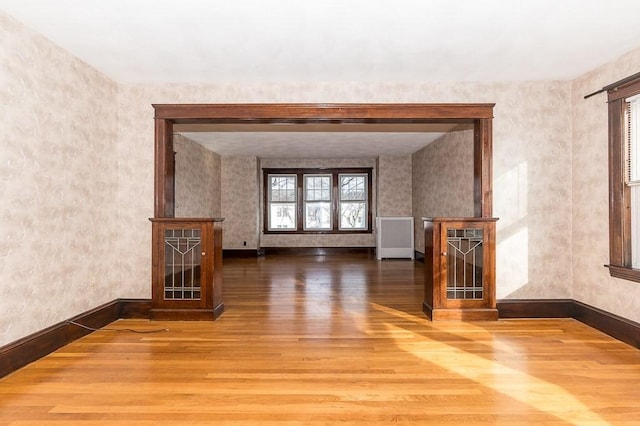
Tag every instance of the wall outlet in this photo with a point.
(244, 243)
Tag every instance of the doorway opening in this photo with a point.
(480, 116)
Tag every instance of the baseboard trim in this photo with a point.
(30, 348)
(625, 330)
(535, 308)
(319, 251)
(24, 351)
(242, 253)
(135, 308)
(622, 329)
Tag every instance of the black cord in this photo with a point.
(159, 330)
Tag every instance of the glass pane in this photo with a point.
(353, 187)
(283, 188)
(633, 125)
(317, 216)
(318, 188)
(282, 216)
(465, 263)
(353, 215)
(182, 258)
(635, 226)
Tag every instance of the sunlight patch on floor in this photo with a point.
(517, 384)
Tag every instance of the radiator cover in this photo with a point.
(394, 238)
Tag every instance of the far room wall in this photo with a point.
(394, 185)
(242, 200)
(201, 173)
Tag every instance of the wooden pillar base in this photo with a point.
(484, 314)
(187, 314)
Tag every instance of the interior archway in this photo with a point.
(166, 115)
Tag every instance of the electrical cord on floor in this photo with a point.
(159, 330)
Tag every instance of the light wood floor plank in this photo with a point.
(322, 341)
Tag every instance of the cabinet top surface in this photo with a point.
(186, 219)
(460, 219)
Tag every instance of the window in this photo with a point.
(633, 173)
(317, 200)
(282, 202)
(624, 178)
(353, 201)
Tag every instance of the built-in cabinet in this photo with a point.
(460, 269)
(187, 269)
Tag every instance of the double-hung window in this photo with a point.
(632, 137)
(282, 196)
(624, 178)
(353, 201)
(317, 200)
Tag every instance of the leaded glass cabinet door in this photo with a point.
(187, 269)
(461, 278)
(464, 258)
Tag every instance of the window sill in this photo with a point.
(624, 273)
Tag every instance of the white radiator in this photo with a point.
(394, 237)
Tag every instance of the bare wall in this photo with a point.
(240, 202)
(394, 185)
(197, 179)
(58, 180)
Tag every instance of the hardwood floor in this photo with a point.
(335, 340)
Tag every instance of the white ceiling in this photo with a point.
(314, 140)
(271, 41)
(256, 41)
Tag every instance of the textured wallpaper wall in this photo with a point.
(240, 202)
(532, 151)
(64, 163)
(442, 180)
(58, 180)
(589, 123)
(198, 179)
(394, 185)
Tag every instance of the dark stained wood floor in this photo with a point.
(322, 341)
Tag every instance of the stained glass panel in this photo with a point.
(465, 263)
(183, 259)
